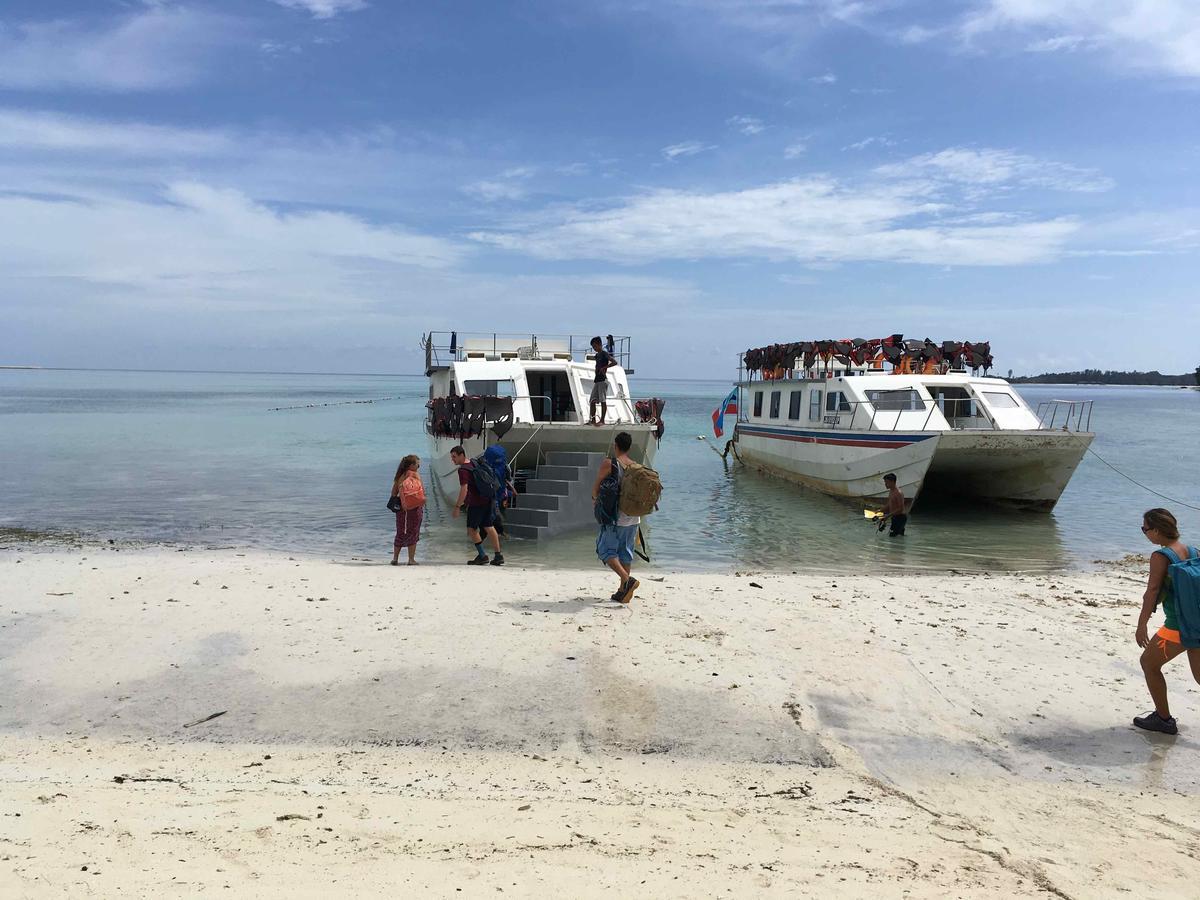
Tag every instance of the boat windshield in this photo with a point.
(503, 387)
(895, 401)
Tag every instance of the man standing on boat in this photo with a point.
(481, 511)
(604, 361)
(895, 507)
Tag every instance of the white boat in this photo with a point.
(839, 427)
(530, 393)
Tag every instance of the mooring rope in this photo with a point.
(1139, 484)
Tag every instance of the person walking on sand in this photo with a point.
(604, 361)
(481, 511)
(614, 545)
(1160, 527)
(407, 487)
(894, 510)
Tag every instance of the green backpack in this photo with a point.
(640, 490)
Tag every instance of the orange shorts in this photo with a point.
(1166, 636)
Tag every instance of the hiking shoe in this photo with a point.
(498, 559)
(1152, 721)
(478, 561)
(627, 591)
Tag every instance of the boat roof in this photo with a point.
(444, 348)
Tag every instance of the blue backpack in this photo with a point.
(1185, 585)
(608, 498)
(495, 458)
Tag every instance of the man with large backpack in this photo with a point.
(477, 491)
(623, 492)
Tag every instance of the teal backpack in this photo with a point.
(1185, 585)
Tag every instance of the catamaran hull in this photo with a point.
(527, 446)
(1026, 469)
(848, 464)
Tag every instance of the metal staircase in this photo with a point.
(558, 499)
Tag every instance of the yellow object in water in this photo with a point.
(872, 514)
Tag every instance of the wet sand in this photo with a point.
(461, 732)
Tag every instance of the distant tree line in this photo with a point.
(1096, 376)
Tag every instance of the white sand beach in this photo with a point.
(444, 731)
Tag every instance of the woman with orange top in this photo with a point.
(408, 488)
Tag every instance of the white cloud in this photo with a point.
(324, 9)
(1064, 42)
(809, 219)
(26, 130)
(1153, 34)
(795, 150)
(991, 167)
(686, 148)
(827, 78)
(747, 125)
(509, 185)
(197, 242)
(491, 191)
(156, 48)
(881, 140)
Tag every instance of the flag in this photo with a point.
(728, 406)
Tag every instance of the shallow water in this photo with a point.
(213, 459)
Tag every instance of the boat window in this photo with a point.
(814, 405)
(835, 401)
(895, 401)
(1001, 400)
(794, 404)
(758, 403)
(775, 396)
(483, 388)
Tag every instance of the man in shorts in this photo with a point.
(614, 545)
(481, 511)
(895, 508)
(604, 361)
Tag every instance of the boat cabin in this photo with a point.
(548, 378)
(876, 400)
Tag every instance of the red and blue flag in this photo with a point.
(729, 406)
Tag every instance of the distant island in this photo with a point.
(1096, 376)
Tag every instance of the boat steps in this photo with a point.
(557, 499)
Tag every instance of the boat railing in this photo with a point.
(629, 403)
(1065, 415)
(445, 347)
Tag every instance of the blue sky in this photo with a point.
(307, 185)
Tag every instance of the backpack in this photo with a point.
(496, 458)
(640, 490)
(412, 493)
(486, 484)
(608, 497)
(1185, 585)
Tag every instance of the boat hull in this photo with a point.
(527, 446)
(848, 464)
(1027, 469)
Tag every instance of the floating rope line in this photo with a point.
(335, 403)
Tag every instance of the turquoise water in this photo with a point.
(210, 459)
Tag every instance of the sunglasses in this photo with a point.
(1146, 530)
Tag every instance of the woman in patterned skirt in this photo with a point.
(408, 487)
